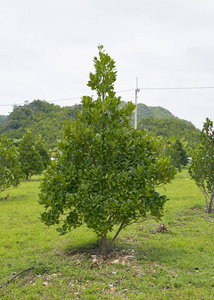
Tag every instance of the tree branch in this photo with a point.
(118, 231)
(93, 158)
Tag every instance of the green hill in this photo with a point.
(144, 111)
(48, 120)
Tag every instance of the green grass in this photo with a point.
(145, 263)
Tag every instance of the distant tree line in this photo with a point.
(41, 118)
(46, 119)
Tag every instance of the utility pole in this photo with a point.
(136, 91)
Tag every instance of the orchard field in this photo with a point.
(172, 259)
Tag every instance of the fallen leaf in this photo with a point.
(129, 256)
(116, 261)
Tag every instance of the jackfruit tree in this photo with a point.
(106, 173)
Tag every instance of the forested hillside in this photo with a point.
(40, 117)
(3, 118)
(169, 127)
(144, 111)
(46, 119)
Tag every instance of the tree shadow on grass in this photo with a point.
(91, 247)
(32, 179)
(87, 247)
(171, 257)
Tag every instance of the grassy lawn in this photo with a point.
(173, 259)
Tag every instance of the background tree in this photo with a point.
(107, 171)
(175, 148)
(30, 160)
(39, 146)
(10, 172)
(202, 164)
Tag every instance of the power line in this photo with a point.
(56, 100)
(180, 88)
(170, 88)
(124, 91)
(128, 90)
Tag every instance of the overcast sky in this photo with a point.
(47, 49)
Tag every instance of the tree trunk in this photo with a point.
(103, 245)
(210, 206)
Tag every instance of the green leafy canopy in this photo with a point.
(29, 157)
(10, 171)
(107, 171)
(202, 164)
